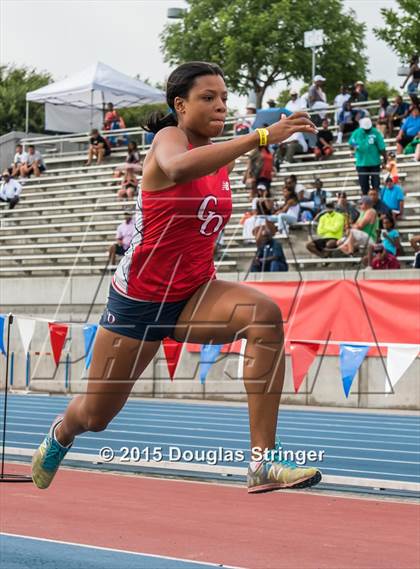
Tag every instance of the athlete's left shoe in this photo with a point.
(47, 458)
(277, 474)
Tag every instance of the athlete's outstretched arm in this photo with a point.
(180, 165)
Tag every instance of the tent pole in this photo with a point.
(91, 109)
(27, 118)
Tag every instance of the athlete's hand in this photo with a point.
(286, 126)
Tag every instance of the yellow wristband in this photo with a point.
(263, 134)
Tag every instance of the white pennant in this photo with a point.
(26, 329)
(241, 359)
(398, 361)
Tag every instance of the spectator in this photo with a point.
(390, 237)
(19, 160)
(415, 243)
(294, 103)
(378, 205)
(244, 124)
(393, 197)
(409, 129)
(400, 110)
(413, 147)
(259, 169)
(124, 235)
(369, 145)
(324, 147)
(391, 166)
(132, 165)
(414, 73)
(347, 208)
(359, 94)
(364, 232)
(330, 229)
(339, 100)
(288, 213)
(34, 163)
(316, 92)
(128, 188)
(10, 190)
(262, 206)
(113, 121)
(270, 255)
(384, 255)
(271, 104)
(385, 111)
(316, 203)
(98, 148)
(348, 121)
(295, 144)
(379, 258)
(292, 183)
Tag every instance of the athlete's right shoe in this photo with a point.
(47, 458)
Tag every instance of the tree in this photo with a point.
(15, 82)
(136, 116)
(402, 29)
(378, 89)
(260, 42)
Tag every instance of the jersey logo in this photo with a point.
(208, 216)
(225, 186)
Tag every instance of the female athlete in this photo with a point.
(165, 285)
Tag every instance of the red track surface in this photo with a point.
(219, 524)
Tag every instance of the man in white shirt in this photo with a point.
(19, 160)
(316, 92)
(9, 190)
(339, 101)
(294, 104)
(34, 163)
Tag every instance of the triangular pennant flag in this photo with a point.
(58, 333)
(89, 333)
(351, 358)
(241, 360)
(26, 328)
(303, 354)
(398, 361)
(172, 350)
(2, 321)
(208, 356)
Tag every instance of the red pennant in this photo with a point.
(172, 351)
(303, 354)
(58, 333)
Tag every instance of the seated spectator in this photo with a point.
(364, 232)
(330, 230)
(128, 188)
(389, 236)
(294, 144)
(270, 255)
(262, 205)
(347, 208)
(34, 163)
(415, 244)
(9, 190)
(316, 92)
(288, 213)
(113, 121)
(19, 160)
(379, 258)
(413, 147)
(316, 203)
(98, 148)
(385, 111)
(414, 74)
(124, 235)
(384, 254)
(243, 125)
(324, 147)
(259, 170)
(409, 129)
(393, 197)
(292, 183)
(342, 97)
(399, 112)
(391, 166)
(359, 94)
(369, 145)
(378, 205)
(132, 164)
(348, 121)
(294, 103)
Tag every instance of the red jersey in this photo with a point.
(171, 253)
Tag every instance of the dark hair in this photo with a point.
(179, 84)
(31, 145)
(390, 219)
(383, 102)
(414, 59)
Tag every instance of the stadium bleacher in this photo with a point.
(66, 219)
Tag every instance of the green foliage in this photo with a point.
(401, 29)
(260, 42)
(378, 89)
(136, 116)
(15, 82)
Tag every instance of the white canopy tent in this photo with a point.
(87, 92)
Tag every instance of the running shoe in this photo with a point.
(47, 458)
(276, 474)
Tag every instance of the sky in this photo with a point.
(65, 36)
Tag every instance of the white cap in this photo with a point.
(319, 78)
(365, 123)
(294, 92)
(359, 83)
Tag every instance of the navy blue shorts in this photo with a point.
(142, 320)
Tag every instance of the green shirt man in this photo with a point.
(369, 145)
